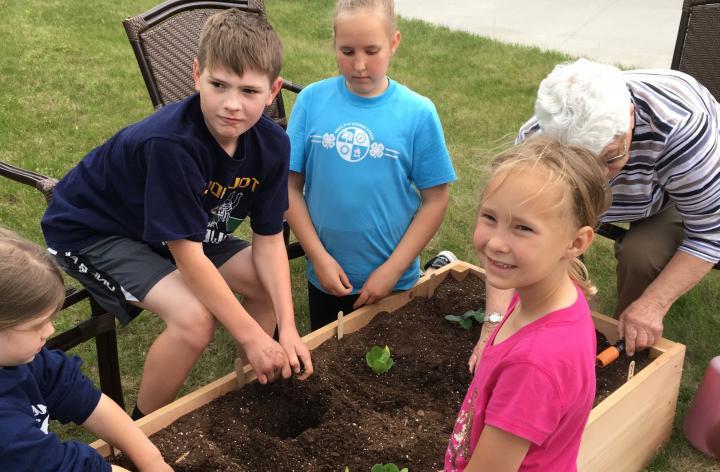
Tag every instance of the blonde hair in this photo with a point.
(240, 41)
(586, 192)
(386, 7)
(30, 281)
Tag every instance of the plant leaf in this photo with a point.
(379, 359)
(466, 324)
(384, 355)
(453, 317)
(377, 468)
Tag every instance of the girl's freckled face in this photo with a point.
(522, 231)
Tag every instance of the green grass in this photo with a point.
(70, 81)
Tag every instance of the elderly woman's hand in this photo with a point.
(641, 324)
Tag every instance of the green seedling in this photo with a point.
(387, 468)
(466, 319)
(378, 359)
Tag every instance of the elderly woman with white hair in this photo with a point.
(657, 133)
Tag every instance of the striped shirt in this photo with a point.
(674, 158)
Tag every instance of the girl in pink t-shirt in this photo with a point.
(533, 388)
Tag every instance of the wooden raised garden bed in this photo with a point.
(624, 431)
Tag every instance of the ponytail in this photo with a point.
(579, 274)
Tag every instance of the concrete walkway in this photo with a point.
(638, 33)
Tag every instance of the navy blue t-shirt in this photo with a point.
(50, 387)
(166, 178)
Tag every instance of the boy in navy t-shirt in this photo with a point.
(145, 220)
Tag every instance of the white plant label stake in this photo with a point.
(631, 370)
(341, 317)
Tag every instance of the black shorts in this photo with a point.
(324, 307)
(118, 270)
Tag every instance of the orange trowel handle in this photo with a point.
(607, 356)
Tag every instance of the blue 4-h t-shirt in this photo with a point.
(49, 387)
(166, 178)
(364, 160)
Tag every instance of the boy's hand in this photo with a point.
(298, 354)
(377, 286)
(332, 277)
(267, 358)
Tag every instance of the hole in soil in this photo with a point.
(292, 413)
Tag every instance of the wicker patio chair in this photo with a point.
(697, 53)
(697, 49)
(99, 324)
(165, 39)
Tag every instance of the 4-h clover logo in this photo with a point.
(376, 150)
(328, 140)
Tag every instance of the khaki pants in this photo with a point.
(643, 252)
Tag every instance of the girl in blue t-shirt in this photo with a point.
(369, 169)
(37, 384)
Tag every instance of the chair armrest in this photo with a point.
(610, 231)
(292, 86)
(41, 182)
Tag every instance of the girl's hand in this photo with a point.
(485, 332)
(298, 354)
(332, 277)
(377, 286)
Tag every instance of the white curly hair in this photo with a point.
(584, 103)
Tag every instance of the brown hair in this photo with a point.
(30, 281)
(386, 7)
(240, 41)
(577, 170)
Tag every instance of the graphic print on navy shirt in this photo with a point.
(226, 199)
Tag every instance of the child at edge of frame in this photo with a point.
(145, 220)
(369, 169)
(534, 384)
(38, 384)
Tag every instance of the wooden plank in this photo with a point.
(623, 432)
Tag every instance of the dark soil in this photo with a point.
(345, 415)
(611, 377)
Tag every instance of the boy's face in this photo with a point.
(20, 344)
(232, 104)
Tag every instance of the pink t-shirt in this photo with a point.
(538, 384)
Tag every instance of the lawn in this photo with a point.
(70, 81)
